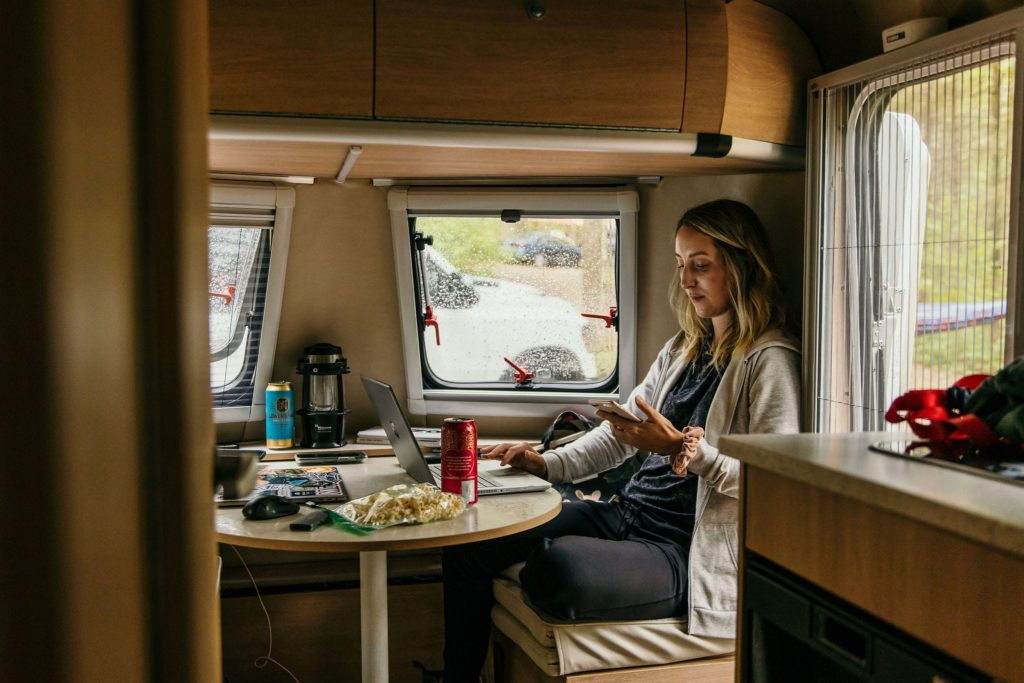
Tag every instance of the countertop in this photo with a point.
(980, 509)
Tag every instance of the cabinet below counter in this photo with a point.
(936, 553)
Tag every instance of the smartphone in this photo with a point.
(613, 407)
(346, 458)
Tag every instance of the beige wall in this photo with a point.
(340, 285)
(778, 200)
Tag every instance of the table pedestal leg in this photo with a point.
(373, 614)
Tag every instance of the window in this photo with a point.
(247, 244)
(913, 275)
(515, 297)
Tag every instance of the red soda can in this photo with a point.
(458, 457)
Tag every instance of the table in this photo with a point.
(491, 517)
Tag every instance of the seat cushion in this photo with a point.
(561, 648)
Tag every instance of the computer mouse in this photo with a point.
(269, 507)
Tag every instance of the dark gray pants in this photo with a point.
(593, 561)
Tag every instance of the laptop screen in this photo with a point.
(392, 419)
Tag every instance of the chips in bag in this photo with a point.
(401, 504)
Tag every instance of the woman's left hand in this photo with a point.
(655, 434)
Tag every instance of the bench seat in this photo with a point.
(562, 649)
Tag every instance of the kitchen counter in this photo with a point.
(978, 508)
(935, 552)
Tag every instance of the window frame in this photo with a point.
(898, 68)
(280, 199)
(406, 202)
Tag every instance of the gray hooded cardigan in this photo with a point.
(758, 394)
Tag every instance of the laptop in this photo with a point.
(492, 478)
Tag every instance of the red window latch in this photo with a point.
(522, 378)
(610, 320)
(228, 294)
(430, 320)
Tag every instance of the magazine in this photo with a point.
(321, 483)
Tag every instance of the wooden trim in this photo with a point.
(958, 595)
(176, 436)
(707, 66)
(741, 664)
(114, 578)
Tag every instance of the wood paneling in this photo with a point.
(310, 57)
(770, 62)
(588, 62)
(960, 596)
(323, 160)
(114, 577)
(707, 66)
(316, 634)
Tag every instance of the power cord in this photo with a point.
(262, 661)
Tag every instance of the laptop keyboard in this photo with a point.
(482, 479)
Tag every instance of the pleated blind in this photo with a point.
(913, 231)
(239, 241)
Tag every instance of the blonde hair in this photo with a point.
(754, 291)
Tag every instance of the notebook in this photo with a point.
(492, 478)
(425, 436)
(321, 483)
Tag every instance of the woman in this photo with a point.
(667, 547)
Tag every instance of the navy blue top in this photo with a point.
(667, 502)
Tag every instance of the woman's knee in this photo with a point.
(551, 576)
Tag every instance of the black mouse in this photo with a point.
(269, 507)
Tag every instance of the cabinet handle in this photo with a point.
(842, 637)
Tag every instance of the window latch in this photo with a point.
(430, 320)
(522, 378)
(421, 241)
(429, 317)
(228, 294)
(610, 320)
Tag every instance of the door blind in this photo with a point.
(914, 231)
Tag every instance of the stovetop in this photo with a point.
(1005, 464)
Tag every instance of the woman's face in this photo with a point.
(703, 275)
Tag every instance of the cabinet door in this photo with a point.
(281, 56)
(585, 62)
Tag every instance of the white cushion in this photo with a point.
(562, 648)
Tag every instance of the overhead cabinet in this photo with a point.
(500, 88)
(313, 57)
(568, 62)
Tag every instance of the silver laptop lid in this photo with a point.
(392, 419)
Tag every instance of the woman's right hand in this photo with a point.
(519, 455)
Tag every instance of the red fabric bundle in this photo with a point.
(928, 414)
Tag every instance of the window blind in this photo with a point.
(240, 240)
(913, 234)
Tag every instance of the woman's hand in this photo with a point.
(655, 434)
(519, 455)
(681, 460)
